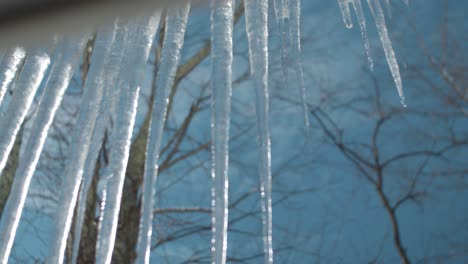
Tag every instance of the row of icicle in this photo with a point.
(129, 43)
(379, 18)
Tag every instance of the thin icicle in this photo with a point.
(139, 43)
(377, 12)
(295, 35)
(112, 68)
(65, 61)
(221, 85)
(80, 144)
(10, 122)
(10, 63)
(346, 12)
(256, 14)
(362, 23)
(176, 23)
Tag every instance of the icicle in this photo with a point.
(346, 13)
(176, 23)
(31, 76)
(138, 47)
(65, 61)
(112, 68)
(362, 23)
(295, 35)
(221, 72)
(10, 63)
(256, 13)
(377, 12)
(80, 144)
(116, 175)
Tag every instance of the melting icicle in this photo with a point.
(221, 72)
(31, 76)
(295, 35)
(176, 23)
(65, 61)
(362, 23)
(377, 13)
(256, 14)
(346, 13)
(10, 63)
(138, 47)
(80, 144)
(112, 69)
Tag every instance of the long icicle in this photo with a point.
(221, 85)
(256, 13)
(10, 63)
(66, 60)
(112, 69)
(295, 35)
(139, 43)
(362, 24)
(93, 91)
(10, 122)
(378, 14)
(176, 23)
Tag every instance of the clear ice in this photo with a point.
(111, 91)
(141, 35)
(221, 85)
(256, 15)
(176, 23)
(80, 144)
(66, 59)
